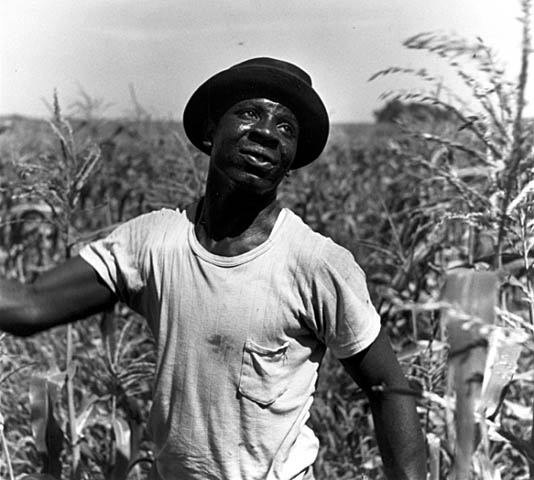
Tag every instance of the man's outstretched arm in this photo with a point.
(397, 427)
(64, 294)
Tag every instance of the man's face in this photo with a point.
(254, 144)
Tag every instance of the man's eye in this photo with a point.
(287, 129)
(248, 113)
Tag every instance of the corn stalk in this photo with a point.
(480, 162)
(512, 174)
(5, 448)
(58, 182)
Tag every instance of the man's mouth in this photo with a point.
(257, 161)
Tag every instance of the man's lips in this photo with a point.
(258, 158)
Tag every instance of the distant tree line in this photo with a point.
(394, 110)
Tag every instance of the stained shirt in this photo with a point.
(239, 340)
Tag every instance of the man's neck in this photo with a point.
(230, 222)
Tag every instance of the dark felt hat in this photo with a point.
(263, 77)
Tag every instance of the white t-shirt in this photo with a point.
(239, 340)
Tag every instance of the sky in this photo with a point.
(164, 49)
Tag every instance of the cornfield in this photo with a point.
(437, 207)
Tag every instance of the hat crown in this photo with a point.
(275, 64)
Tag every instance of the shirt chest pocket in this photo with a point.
(263, 376)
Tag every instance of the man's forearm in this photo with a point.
(398, 430)
(64, 294)
(399, 435)
(17, 314)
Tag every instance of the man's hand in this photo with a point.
(398, 430)
(67, 293)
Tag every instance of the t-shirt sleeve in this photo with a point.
(120, 259)
(344, 318)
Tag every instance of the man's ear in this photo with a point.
(207, 139)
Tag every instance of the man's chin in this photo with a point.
(249, 181)
(252, 184)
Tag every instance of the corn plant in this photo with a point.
(57, 182)
(124, 363)
(127, 368)
(476, 168)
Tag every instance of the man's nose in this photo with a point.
(265, 132)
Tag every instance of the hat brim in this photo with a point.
(233, 85)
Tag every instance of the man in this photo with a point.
(242, 297)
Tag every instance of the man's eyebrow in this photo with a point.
(289, 117)
(285, 113)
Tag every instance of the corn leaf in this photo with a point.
(122, 433)
(38, 476)
(45, 428)
(501, 363)
(471, 296)
(525, 376)
(87, 410)
(483, 467)
(421, 347)
(522, 412)
(434, 445)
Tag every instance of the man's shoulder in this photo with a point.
(160, 218)
(150, 229)
(324, 250)
(299, 232)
